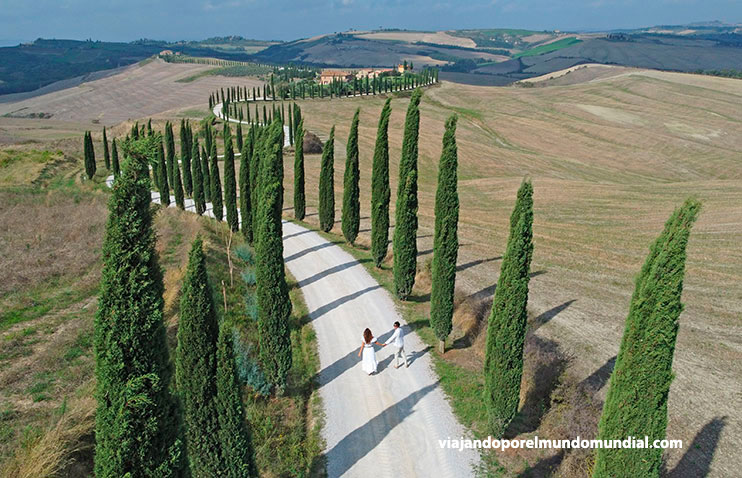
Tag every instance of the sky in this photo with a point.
(127, 20)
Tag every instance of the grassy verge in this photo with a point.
(285, 429)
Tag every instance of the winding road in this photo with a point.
(383, 425)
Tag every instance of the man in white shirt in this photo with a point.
(398, 340)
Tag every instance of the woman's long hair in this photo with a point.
(367, 336)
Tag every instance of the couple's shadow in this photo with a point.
(411, 358)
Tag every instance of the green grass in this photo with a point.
(39, 389)
(45, 299)
(557, 45)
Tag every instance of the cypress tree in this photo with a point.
(185, 158)
(195, 366)
(162, 171)
(636, 404)
(230, 185)
(170, 149)
(506, 331)
(380, 191)
(300, 203)
(205, 174)
(178, 187)
(326, 185)
(244, 183)
(115, 158)
(198, 181)
(237, 455)
(405, 230)
(255, 177)
(351, 215)
(274, 306)
(238, 137)
(137, 429)
(291, 126)
(89, 155)
(446, 242)
(217, 206)
(106, 155)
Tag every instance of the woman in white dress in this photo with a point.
(369, 363)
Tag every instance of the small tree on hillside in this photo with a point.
(380, 191)
(106, 155)
(351, 214)
(326, 185)
(446, 242)
(170, 152)
(506, 330)
(115, 159)
(636, 404)
(205, 173)
(178, 187)
(185, 158)
(89, 155)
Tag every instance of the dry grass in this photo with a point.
(45, 455)
(442, 38)
(138, 91)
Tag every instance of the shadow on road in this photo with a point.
(320, 311)
(331, 270)
(308, 250)
(358, 443)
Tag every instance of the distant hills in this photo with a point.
(483, 56)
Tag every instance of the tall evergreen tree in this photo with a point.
(115, 159)
(185, 158)
(326, 185)
(244, 184)
(446, 242)
(195, 366)
(164, 188)
(205, 173)
(405, 229)
(178, 187)
(636, 404)
(274, 306)
(255, 178)
(89, 155)
(237, 455)
(300, 202)
(506, 330)
(351, 214)
(217, 206)
(170, 150)
(137, 429)
(380, 190)
(238, 137)
(106, 154)
(230, 184)
(199, 200)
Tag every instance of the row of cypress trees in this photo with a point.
(110, 157)
(142, 427)
(643, 367)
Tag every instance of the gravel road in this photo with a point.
(386, 424)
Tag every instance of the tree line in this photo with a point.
(281, 90)
(643, 367)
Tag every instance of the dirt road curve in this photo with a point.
(383, 425)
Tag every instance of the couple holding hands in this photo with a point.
(369, 363)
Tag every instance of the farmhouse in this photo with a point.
(328, 76)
